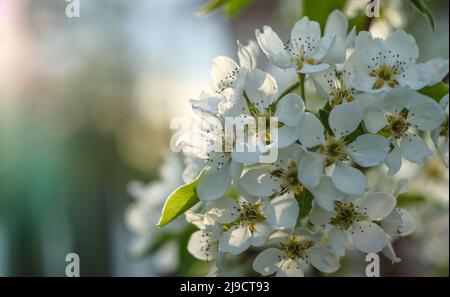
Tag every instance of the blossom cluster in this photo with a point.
(310, 204)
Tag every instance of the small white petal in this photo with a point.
(223, 210)
(290, 268)
(259, 182)
(310, 169)
(345, 118)
(214, 182)
(273, 47)
(268, 261)
(261, 233)
(282, 212)
(438, 69)
(369, 150)
(236, 240)
(326, 193)
(394, 160)
(376, 205)
(415, 149)
(310, 130)
(348, 179)
(290, 109)
(426, 116)
(368, 237)
(199, 248)
(374, 119)
(408, 224)
(320, 216)
(323, 259)
(339, 240)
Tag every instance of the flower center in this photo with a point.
(334, 150)
(341, 95)
(249, 214)
(397, 125)
(346, 214)
(384, 75)
(295, 249)
(289, 180)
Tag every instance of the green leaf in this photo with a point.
(423, 9)
(179, 201)
(234, 7)
(305, 203)
(410, 198)
(211, 6)
(436, 91)
(318, 10)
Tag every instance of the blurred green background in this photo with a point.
(85, 106)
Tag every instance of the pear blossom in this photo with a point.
(310, 203)
(305, 51)
(440, 135)
(249, 221)
(281, 178)
(406, 111)
(226, 73)
(398, 223)
(206, 140)
(294, 254)
(352, 222)
(383, 65)
(337, 23)
(323, 150)
(349, 105)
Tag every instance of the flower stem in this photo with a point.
(301, 78)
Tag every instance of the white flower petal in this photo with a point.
(408, 224)
(286, 136)
(282, 212)
(248, 55)
(290, 268)
(236, 240)
(348, 179)
(223, 210)
(261, 88)
(374, 119)
(339, 240)
(336, 23)
(326, 193)
(268, 261)
(345, 118)
(290, 109)
(221, 69)
(368, 237)
(376, 205)
(310, 130)
(394, 160)
(199, 247)
(320, 216)
(426, 116)
(214, 182)
(369, 150)
(415, 149)
(310, 169)
(273, 47)
(438, 69)
(261, 233)
(323, 259)
(259, 182)
(403, 44)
